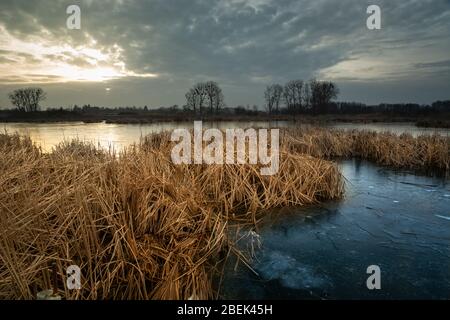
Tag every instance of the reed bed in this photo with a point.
(138, 226)
(141, 227)
(424, 153)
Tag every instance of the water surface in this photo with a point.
(118, 136)
(398, 221)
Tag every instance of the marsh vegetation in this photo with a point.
(141, 227)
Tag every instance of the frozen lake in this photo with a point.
(397, 221)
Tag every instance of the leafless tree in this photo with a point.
(27, 99)
(214, 96)
(322, 92)
(219, 101)
(268, 96)
(306, 96)
(273, 94)
(191, 103)
(195, 97)
(293, 95)
(278, 93)
(208, 92)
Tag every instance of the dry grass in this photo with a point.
(139, 226)
(426, 153)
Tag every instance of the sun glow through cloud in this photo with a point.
(148, 53)
(37, 59)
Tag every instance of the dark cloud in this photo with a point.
(243, 45)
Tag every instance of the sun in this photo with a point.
(94, 74)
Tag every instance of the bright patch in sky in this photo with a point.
(37, 59)
(150, 54)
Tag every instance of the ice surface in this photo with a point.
(387, 218)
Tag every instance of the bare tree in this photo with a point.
(268, 96)
(293, 95)
(219, 101)
(195, 97)
(199, 95)
(288, 96)
(306, 96)
(322, 92)
(208, 92)
(191, 103)
(278, 93)
(214, 96)
(273, 94)
(27, 99)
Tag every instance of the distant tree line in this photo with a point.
(298, 96)
(295, 97)
(389, 108)
(332, 108)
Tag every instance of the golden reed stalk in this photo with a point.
(141, 227)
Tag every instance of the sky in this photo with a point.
(136, 53)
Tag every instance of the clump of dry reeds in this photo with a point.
(422, 153)
(141, 227)
(138, 226)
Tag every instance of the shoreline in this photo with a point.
(151, 117)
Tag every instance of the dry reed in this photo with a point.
(138, 226)
(426, 153)
(141, 227)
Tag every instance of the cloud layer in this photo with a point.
(151, 52)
